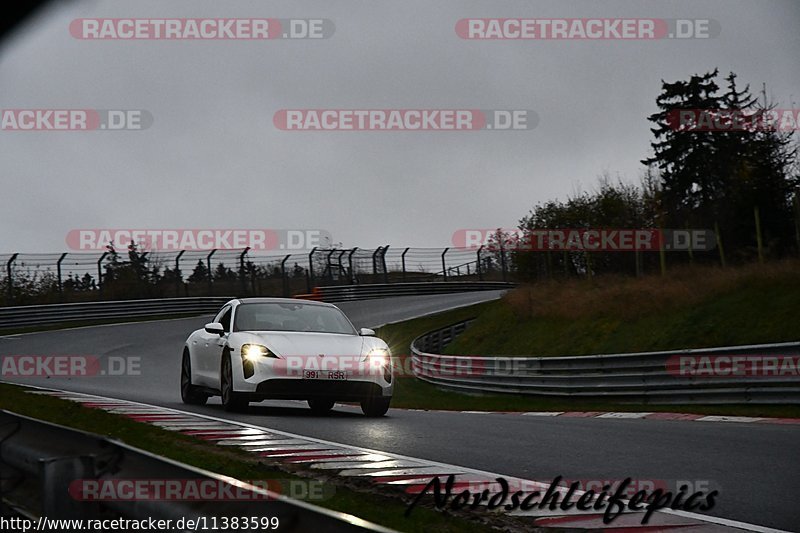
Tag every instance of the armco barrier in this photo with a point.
(41, 315)
(633, 377)
(54, 457)
(384, 290)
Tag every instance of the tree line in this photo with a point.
(742, 182)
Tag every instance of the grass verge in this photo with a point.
(688, 308)
(755, 304)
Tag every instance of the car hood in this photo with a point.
(307, 344)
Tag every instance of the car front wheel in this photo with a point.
(320, 406)
(231, 400)
(375, 407)
(190, 394)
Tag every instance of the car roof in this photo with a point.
(278, 301)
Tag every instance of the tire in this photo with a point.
(231, 400)
(190, 394)
(375, 407)
(320, 406)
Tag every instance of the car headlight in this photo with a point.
(379, 356)
(254, 352)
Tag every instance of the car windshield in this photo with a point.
(291, 317)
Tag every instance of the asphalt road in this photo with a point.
(756, 467)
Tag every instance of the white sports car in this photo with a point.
(282, 348)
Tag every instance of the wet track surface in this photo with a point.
(756, 467)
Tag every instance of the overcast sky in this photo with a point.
(213, 158)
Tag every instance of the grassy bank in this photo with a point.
(700, 307)
(688, 308)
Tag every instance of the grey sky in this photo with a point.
(213, 158)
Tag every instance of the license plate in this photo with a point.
(336, 375)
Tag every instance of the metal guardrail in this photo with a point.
(53, 457)
(384, 290)
(633, 377)
(42, 315)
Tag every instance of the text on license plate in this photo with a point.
(325, 374)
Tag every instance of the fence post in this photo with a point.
(178, 276)
(662, 255)
(10, 280)
(403, 259)
(478, 264)
(58, 270)
(352, 274)
(329, 265)
(241, 269)
(342, 271)
(284, 279)
(383, 264)
(374, 262)
(310, 276)
(210, 274)
(759, 240)
(100, 282)
(444, 264)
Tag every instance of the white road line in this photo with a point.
(729, 419)
(623, 415)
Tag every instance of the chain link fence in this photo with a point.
(41, 278)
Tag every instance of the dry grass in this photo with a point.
(629, 298)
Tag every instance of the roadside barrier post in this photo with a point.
(58, 273)
(178, 277)
(10, 278)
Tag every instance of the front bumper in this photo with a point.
(272, 378)
(304, 389)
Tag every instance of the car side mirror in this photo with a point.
(215, 328)
(366, 332)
